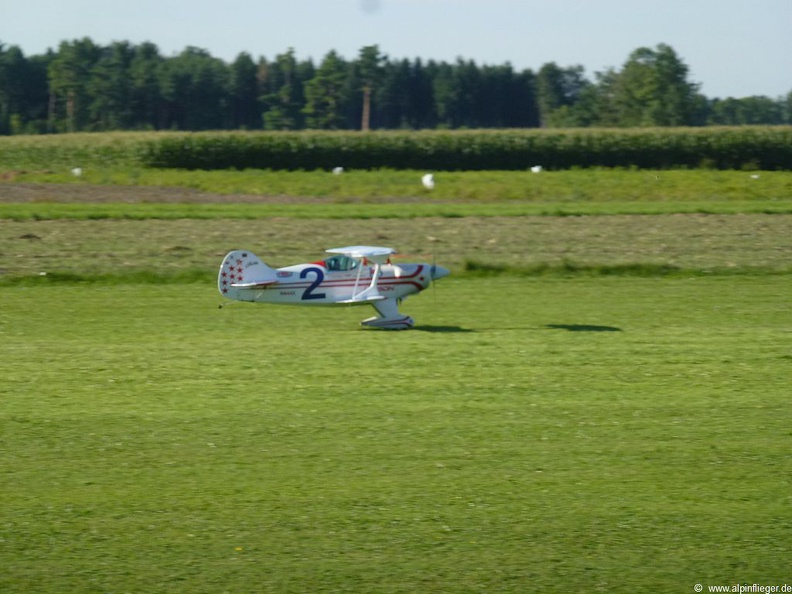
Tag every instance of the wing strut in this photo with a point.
(371, 293)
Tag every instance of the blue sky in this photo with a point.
(732, 47)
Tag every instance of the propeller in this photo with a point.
(432, 277)
(435, 271)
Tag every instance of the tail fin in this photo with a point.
(242, 271)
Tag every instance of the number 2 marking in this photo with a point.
(309, 292)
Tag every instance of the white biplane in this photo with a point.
(354, 275)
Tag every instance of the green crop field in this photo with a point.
(596, 399)
(738, 147)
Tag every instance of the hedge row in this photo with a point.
(112, 150)
(765, 148)
(750, 147)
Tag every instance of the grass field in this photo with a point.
(571, 188)
(606, 434)
(193, 248)
(587, 404)
(387, 194)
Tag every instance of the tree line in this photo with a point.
(88, 87)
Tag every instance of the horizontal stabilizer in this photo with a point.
(254, 284)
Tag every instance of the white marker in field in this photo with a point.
(428, 181)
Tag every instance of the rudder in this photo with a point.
(241, 267)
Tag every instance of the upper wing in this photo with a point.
(374, 253)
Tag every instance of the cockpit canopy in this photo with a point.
(341, 263)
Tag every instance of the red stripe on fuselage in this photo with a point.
(350, 282)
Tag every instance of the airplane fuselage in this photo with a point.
(316, 284)
(313, 284)
(342, 279)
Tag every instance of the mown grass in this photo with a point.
(169, 250)
(604, 434)
(142, 212)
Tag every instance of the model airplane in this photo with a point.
(354, 275)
